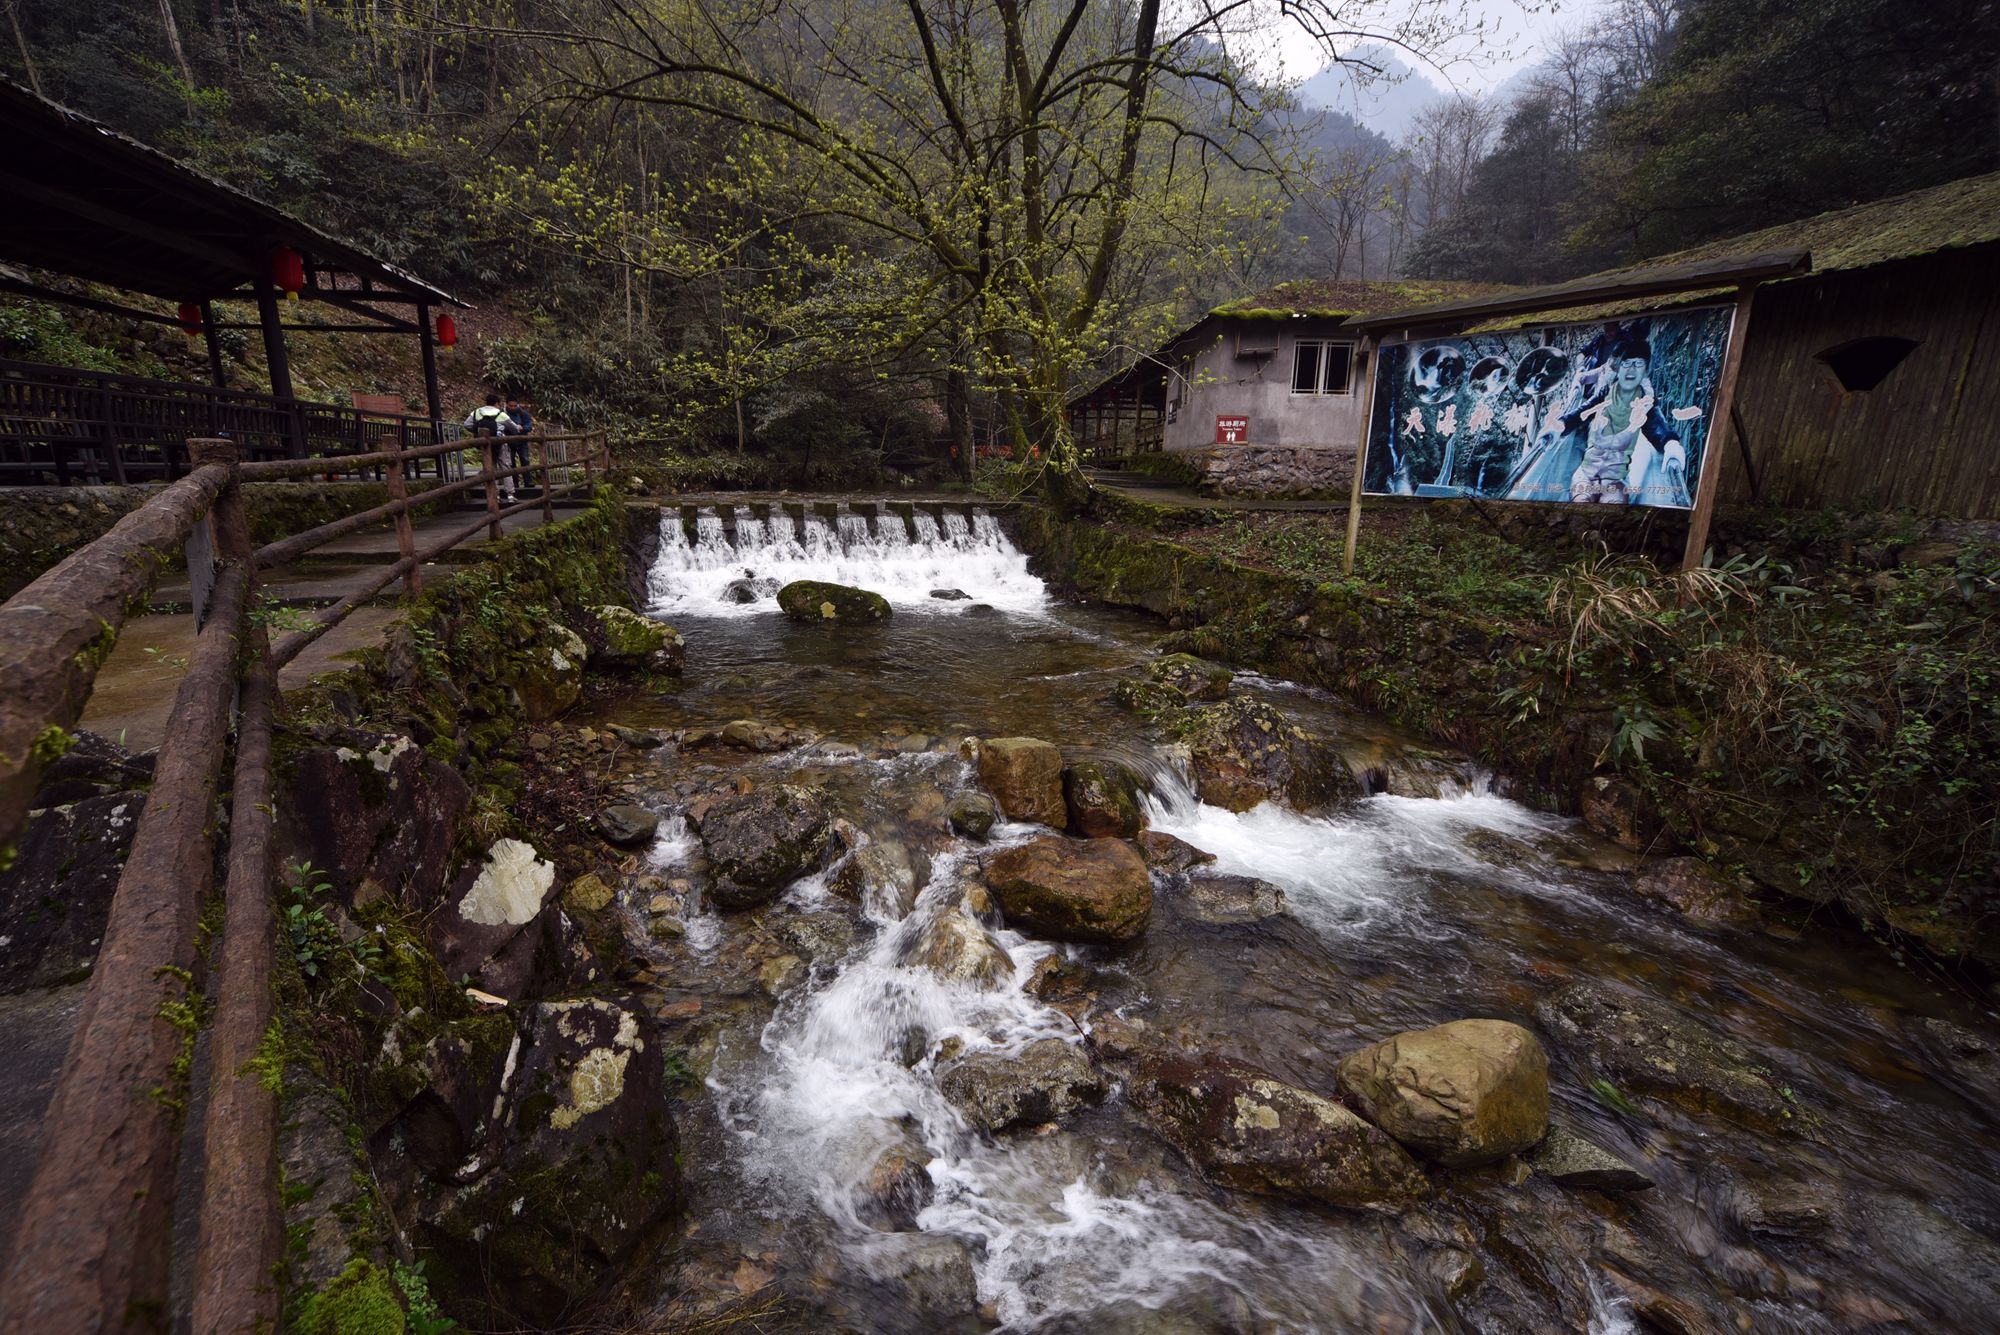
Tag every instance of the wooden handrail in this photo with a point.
(93, 1245)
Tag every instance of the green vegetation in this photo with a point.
(360, 1300)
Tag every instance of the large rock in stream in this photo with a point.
(1102, 800)
(1644, 1046)
(546, 676)
(1094, 891)
(817, 600)
(1464, 1093)
(761, 841)
(1025, 776)
(633, 641)
(1044, 1082)
(1244, 752)
(1249, 1131)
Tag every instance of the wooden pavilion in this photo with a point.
(95, 205)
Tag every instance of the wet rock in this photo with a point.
(626, 825)
(93, 766)
(1244, 752)
(1463, 1093)
(883, 876)
(1382, 766)
(749, 734)
(1962, 1061)
(1689, 888)
(1055, 979)
(1249, 1131)
(897, 1186)
(953, 945)
(633, 641)
(972, 814)
(639, 739)
(1195, 678)
(495, 901)
(817, 600)
(1163, 852)
(586, 1165)
(1620, 811)
(1568, 1160)
(1146, 698)
(1788, 1207)
(1044, 1082)
(749, 590)
(950, 595)
(931, 1275)
(761, 841)
(546, 677)
(780, 974)
(1222, 901)
(56, 897)
(1648, 1047)
(1024, 774)
(587, 894)
(823, 938)
(1095, 891)
(1102, 800)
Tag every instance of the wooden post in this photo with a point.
(1365, 355)
(432, 402)
(1712, 453)
(492, 488)
(548, 482)
(406, 537)
(281, 366)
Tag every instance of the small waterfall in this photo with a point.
(736, 568)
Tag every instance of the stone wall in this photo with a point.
(1273, 470)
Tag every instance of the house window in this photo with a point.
(1321, 367)
(1866, 362)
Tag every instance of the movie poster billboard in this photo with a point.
(1610, 412)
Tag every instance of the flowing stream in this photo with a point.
(1401, 911)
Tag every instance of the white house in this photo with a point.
(1261, 396)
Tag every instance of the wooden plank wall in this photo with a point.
(1926, 439)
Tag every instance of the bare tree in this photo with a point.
(1445, 145)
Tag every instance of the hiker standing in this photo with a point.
(524, 426)
(491, 419)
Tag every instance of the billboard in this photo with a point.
(1609, 412)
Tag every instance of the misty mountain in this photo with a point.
(1386, 105)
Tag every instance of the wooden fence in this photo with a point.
(62, 425)
(93, 1248)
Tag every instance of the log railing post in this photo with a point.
(406, 536)
(548, 482)
(486, 453)
(93, 1244)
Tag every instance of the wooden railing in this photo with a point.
(93, 1246)
(60, 425)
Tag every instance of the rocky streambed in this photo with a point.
(1011, 976)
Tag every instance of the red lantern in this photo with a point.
(447, 332)
(190, 314)
(288, 270)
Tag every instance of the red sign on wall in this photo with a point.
(1231, 430)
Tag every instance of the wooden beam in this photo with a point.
(21, 188)
(1712, 452)
(23, 288)
(432, 401)
(281, 365)
(1364, 357)
(1665, 280)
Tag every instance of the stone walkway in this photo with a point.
(134, 694)
(1160, 491)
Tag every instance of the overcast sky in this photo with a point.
(1524, 26)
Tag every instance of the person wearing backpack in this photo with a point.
(490, 419)
(524, 425)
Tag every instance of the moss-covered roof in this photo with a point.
(1342, 298)
(1952, 216)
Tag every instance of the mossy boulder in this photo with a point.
(1147, 698)
(1255, 1133)
(955, 946)
(972, 814)
(373, 808)
(546, 674)
(817, 600)
(1024, 774)
(56, 897)
(1463, 1093)
(1044, 1082)
(581, 1162)
(500, 926)
(1093, 891)
(634, 642)
(1101, 798)
(761, 841)
(1244, 752)
(1195, 678)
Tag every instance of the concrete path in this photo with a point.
(134, 694)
